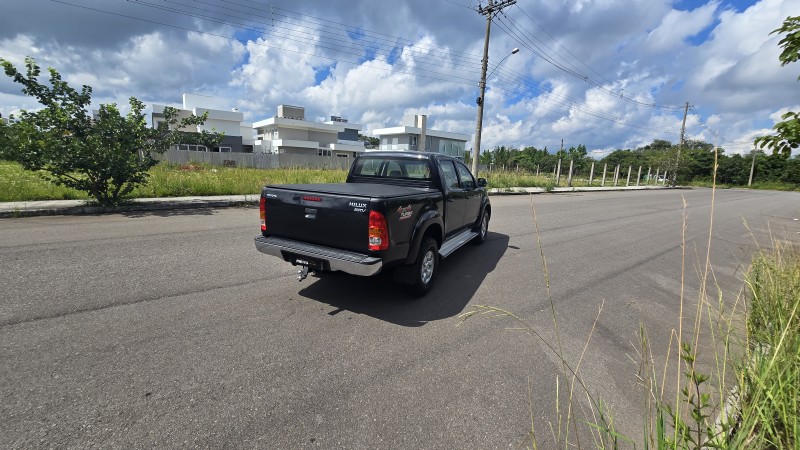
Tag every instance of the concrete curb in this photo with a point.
(83, 207)
(556, 190)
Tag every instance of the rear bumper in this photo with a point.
(332, 258)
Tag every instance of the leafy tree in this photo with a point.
(105, 156)
(697, 161)
(486, 158)
(502, 157)
(531, 157)
(624, 158)
(787, 132)
(658, 144)
(5, 134)
(578, 157)
(369, 141)
(733, 170)
(791, 172)
(468, 157)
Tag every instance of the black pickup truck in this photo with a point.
(399, 211)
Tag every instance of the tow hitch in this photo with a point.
(302, 273)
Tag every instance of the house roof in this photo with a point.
(416, 130)
(336, 127)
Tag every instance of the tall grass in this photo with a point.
(745, 393)
(166, 180)
(757, 185)
(17, 185)
(769, 376)
(173, 180)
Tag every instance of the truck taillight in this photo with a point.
(378, 231)
(262, 206)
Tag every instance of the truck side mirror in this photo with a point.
(482, 182)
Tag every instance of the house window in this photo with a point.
(192, 147)
(224, 149)
(323, 152)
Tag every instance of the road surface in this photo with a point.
(167, 329)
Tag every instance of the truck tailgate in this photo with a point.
(335, 215)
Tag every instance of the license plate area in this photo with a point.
(302, 260)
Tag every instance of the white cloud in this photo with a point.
(679, 25)
(639, 48)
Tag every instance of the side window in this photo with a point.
(449, 177)
(467, 182)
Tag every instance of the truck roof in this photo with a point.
(406, 155)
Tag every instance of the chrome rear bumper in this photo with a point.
(335, 259)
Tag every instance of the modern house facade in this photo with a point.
(238, 135)
(289, 133)
(413, 135)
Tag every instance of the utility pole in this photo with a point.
(680, 146)
(489, 11)
(752, 168)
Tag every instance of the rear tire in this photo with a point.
(483, 229)
(425, 267)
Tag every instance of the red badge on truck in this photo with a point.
(405, 212)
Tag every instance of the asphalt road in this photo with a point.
(168, 329)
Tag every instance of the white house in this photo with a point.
(290, 133)
(238, 134)
(414, 135)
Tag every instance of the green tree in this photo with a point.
(486, 158)
(502, 157)
(791, 172)
(578, 157)
(787, 132)
(105, 156)
(697, 161)
(369, 141)
(733, 170)
(5, 134)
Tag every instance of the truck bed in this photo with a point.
(335, 215)
(374, 190)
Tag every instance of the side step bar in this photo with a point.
(456, 242)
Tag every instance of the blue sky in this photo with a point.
(610, 74)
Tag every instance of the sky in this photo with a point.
(607, 74)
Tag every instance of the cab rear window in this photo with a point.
(392, 168)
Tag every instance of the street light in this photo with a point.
(477, 147)
(513, 52)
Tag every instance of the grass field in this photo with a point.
(166, 180)
(174, 180)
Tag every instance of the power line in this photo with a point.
(299, 36)
(525, 86)
(448, 79)
(289, 35)
(560, 45)
(521, 36)
(572, 104)
(379, 36)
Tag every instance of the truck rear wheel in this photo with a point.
(425, 267)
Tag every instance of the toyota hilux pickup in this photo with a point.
(397, 211)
